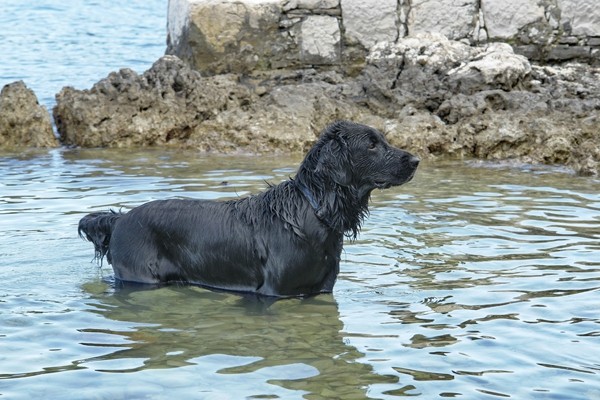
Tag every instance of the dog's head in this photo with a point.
(360, 156)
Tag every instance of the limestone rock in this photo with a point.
(163, 105)
(368, 23)
(320, 40)
(452, 99)
(580, 17)
(310, 4)
(221, 36)
(497, 66)
(503, 19)
(453, 19)
(231, 36)
(433, 52)
(171, 104)
(23, 121)
(430, 95)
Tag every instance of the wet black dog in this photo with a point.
(286, 241)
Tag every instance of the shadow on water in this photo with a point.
(295, 343)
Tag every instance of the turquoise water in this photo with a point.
(472, 281)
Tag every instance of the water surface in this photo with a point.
(50, 44)
(472, 281)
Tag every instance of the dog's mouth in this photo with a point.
(385, 184)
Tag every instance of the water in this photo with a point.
(471, 281)
(50, 44)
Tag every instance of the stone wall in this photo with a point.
(219, 36)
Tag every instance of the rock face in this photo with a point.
(449, 98)
(438, 76)
(431, 95)
(171, 104)
(23, 121)
(223, 36)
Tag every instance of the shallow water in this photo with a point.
(472, 281)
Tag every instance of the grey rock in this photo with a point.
(163, 105)
(430, 95)
(23, 121)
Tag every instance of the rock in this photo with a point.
(504, 19)
(580, 17)
(321, 40)
(425, 70)
(310, 4)
(453, 19)
(170, 104)
(495, 66)
(231, 36)
(453, 99)
(23, 121)
(163, 105)
(368, 23)
(430, 95)
(222, 36)
(566, 53)
(431, 52)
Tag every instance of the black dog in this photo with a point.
(286, 241)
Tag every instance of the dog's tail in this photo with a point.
(97, 228)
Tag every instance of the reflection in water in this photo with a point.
(298, 340)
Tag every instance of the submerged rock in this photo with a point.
(23, 121)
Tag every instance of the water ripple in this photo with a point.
(487, 285)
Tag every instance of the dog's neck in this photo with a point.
(339, 207)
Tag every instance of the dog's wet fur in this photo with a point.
(285, 241)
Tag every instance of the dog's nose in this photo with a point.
(414, 161)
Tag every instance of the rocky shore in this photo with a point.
(430, 94)
(23, 121)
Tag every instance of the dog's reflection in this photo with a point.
(173, 326)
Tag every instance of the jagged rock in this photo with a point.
(171, 104)
(427, 70)
(23, 121)
(163, 105)
(495, 66)
(430, 95)
(487, 102)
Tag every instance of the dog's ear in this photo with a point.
(334, 160)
